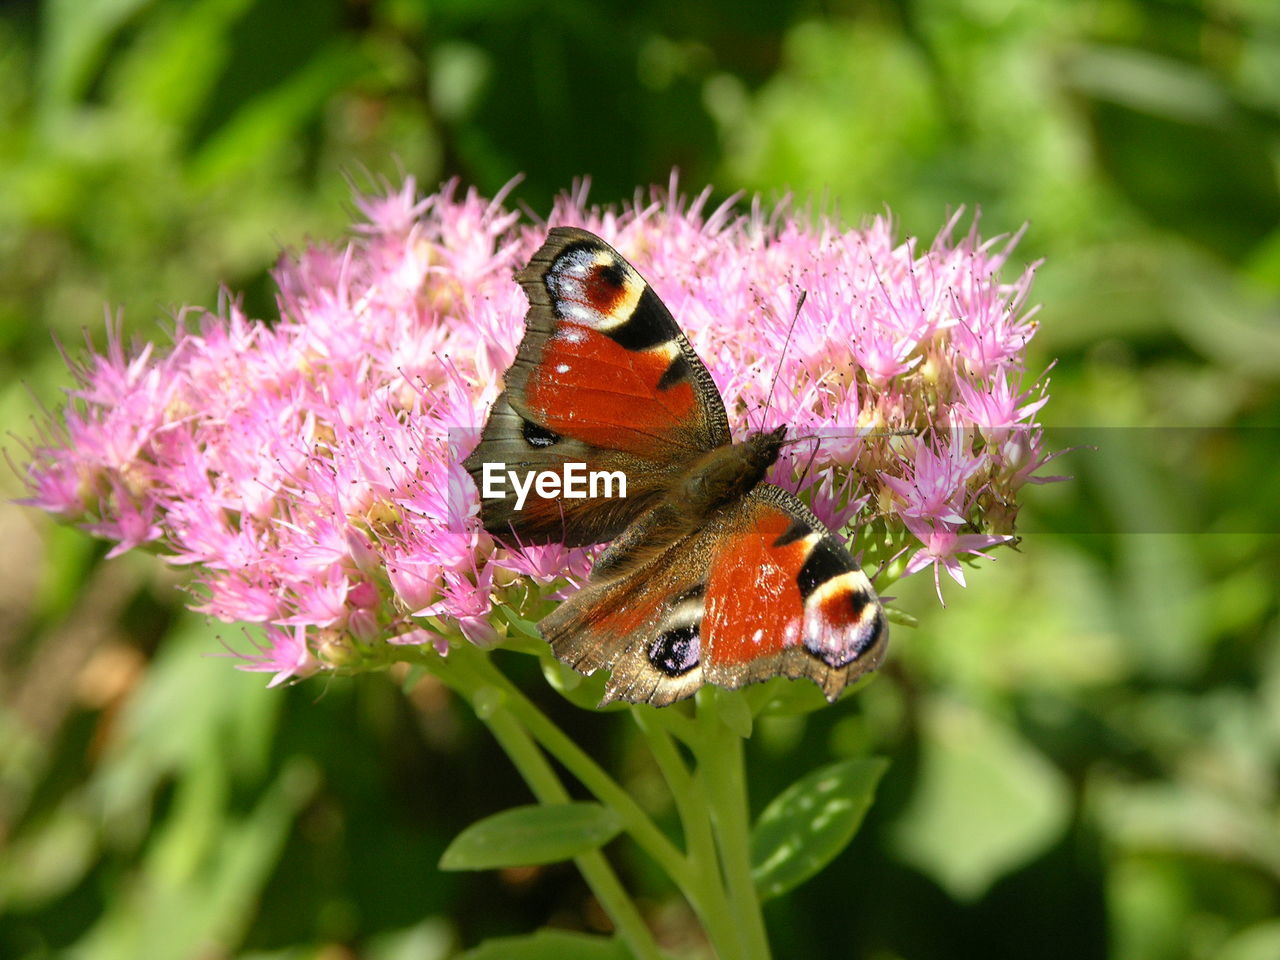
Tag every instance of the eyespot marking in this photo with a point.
(677, 651)
(536, 436)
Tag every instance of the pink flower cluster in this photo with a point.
(308, 468)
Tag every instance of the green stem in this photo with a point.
(715, 877)
(722, 773)
(607, 790)
(697, 875)
(708, 899)
(546, 786)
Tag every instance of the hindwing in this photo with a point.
(763, 589)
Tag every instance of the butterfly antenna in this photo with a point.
(813, 455)
(808, 436)
(782, 356)
(899, 432)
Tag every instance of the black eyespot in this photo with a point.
(832, 658)
(612, 273)
(677, 651)
(536, 436)
(874, 634)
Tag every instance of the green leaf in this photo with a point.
(273, 120)
(900, 617)
(810, 822)
(562, 678)
(519, 624)
(48, 858)
(67, 570)
(191, 40)
(985, 802)
(549, 945)
(530, 835)
(430, 939)
(188, 892)
(77, 36)
(1189, 818)
(182, 714)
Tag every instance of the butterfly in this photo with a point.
(711, 575)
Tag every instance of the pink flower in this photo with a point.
(468, 602)
(286, 654)
(308, 469)
(392, 212)
(995, 407)
(942, 548)
(936, 479)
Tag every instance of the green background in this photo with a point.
(1084, 745)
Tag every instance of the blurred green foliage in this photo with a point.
(1084, 745)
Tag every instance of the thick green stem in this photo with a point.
(722, 774)
(715, 876)
(595, 869)
(492, 709)
(607, 790)
(708, 899)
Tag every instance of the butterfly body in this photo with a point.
(728, 472)
(712, 575)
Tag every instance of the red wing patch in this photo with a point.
(753, 601)
(763, 590)
(783, 582)
(605, 362)
(590, 387)
(603, 378)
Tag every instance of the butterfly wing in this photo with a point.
(605, 377)
(762, 589)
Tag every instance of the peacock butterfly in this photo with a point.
(713, 575)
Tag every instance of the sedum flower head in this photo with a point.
(308, 469)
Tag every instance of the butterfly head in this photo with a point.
(760, 450)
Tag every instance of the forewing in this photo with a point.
(603, 376)
(512, 444)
